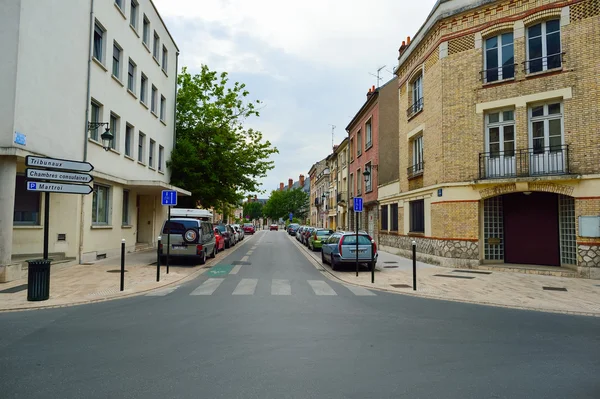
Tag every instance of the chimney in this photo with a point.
(401, 49)
(407, 41)
(301, 180)
(280, 186)
(290, 183)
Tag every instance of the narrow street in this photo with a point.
(266, 323)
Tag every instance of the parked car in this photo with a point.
(299, 232)
(340, 249)
(315, 240)
(249, 228)
(220, 240)
(234, 233)
(293, 228)
(239, 230)
(273, 227)
(305, 234)
(188, 238)
(226, 233)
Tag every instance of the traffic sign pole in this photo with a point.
(168, 238)
(46, 223)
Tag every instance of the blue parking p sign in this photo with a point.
(358, 204)
(169, 197)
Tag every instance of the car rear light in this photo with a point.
(198, 249)
(374, 244)
(340, 245)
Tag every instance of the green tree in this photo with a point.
(253, 210)
(281, 203)
(215, 157)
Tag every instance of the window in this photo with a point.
(500, 143)
(351, 149)
(165, 58)
(99, 42)
(114, 129)
(144, 89)
(417, 216)
(128, 139)
(418, 154)
(163, 105)
(543, 46)
(141, 146)
(358, 182)
(131, 76)
(116, 68)
(100, 205)
(369, 178)
(146, 31)
(161, 157)
(153, 99)
(125, 218)
(368, 134)
(417, 96)
(95, 116)
(499, 58)
(394, 212)
(119, 4)
(546, 138)
(351, 185)
(384, 217)
(151, 153)
(358, 143)
(133, 16)
(156, 46)
(27, 204)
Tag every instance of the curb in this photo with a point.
(194, 274)
(330, 275)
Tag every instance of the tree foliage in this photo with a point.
(215, 156)
(253, 210)
(281, 203)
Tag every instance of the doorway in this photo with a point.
(145, 218)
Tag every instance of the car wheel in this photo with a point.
(323, 258)
(203, 258)
(214, 251)
(333, 264)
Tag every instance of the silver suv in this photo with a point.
(340, 249)
(188, 238)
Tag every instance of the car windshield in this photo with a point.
(178, 226)
(351, 240)
(322, 232)
(221, 228)
(248, 225)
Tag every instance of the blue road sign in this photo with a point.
(291, 216)
(32, 185)
(169, 197)
(358, 204)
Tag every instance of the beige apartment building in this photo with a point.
(499, 141)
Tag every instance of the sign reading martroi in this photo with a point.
(58, 164)
(58, 176)
(59, 188)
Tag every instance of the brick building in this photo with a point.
(499, 143)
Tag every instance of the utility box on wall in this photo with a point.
(589, 226)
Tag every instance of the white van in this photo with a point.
(198, 214)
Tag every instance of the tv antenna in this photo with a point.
(377, 76)
(332, 134)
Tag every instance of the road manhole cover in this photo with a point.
(471, 271)
(390, 267)
(450, 276)
(401, 286)
(240, 262)
(554, 289)
(14, 289)
(115, 271)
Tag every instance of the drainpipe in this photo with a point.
(175, 99)
(85, 119)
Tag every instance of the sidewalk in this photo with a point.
(80, 284)
(496, 288)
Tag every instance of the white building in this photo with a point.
(64, 65)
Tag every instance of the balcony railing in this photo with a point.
(415, 108)
(317, 202)
(537, 161)
(415, 170)
(342, 196)
(540, 64)
(498, 74)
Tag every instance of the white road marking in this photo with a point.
(208, 287)
(244, 259)
(249, 252)
(162, 292)
(246, 287)
(360, 291)
(321, 287)
(235, 269)
(281, 287)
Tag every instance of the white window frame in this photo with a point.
(114, 123)
(554, 157)
(544, 37)
(156, 46)
(102, 49)
(417, 93)
(131, 77)
(417, 157)
(163, 107)
(143, 88)
(129, 135)
(95, 212)
(369, 185)
(134, 14)
(369, 133)
(141, 147)
(165, 58)
(151, 150)
(153, 99)
(161, 158)
(119, 61)
(146, 28)
(359, 143)
(95, 118)
(500, 48)
(125, 214)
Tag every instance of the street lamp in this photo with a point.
(107, 137)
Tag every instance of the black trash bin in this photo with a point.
(38, 280)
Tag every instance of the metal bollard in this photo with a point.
(372, 261)
(414, 259)
(122, 264)
(158, 260)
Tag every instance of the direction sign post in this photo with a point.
(169, 198)
(358, 208)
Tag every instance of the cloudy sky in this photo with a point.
(309, 61)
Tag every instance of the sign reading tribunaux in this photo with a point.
(59, 164)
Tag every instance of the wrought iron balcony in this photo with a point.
(415, 108)
(415, 170)
(342, 197)
(498, 74)
(552, 61)
(525, 162)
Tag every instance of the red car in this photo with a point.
(248, 228)
(273, 227)
(219, 240)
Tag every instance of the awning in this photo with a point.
(154, 186)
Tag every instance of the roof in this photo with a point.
(164, 25)
(371, 99)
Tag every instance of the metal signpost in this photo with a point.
(169, 198)
(44, 180)
(358, 208)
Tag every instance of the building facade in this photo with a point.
(120, 69)
(498, 143)
(341, 153)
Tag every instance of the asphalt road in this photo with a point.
(273, 326)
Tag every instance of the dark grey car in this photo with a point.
(188, 238)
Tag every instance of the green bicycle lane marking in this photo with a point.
(219, 270)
